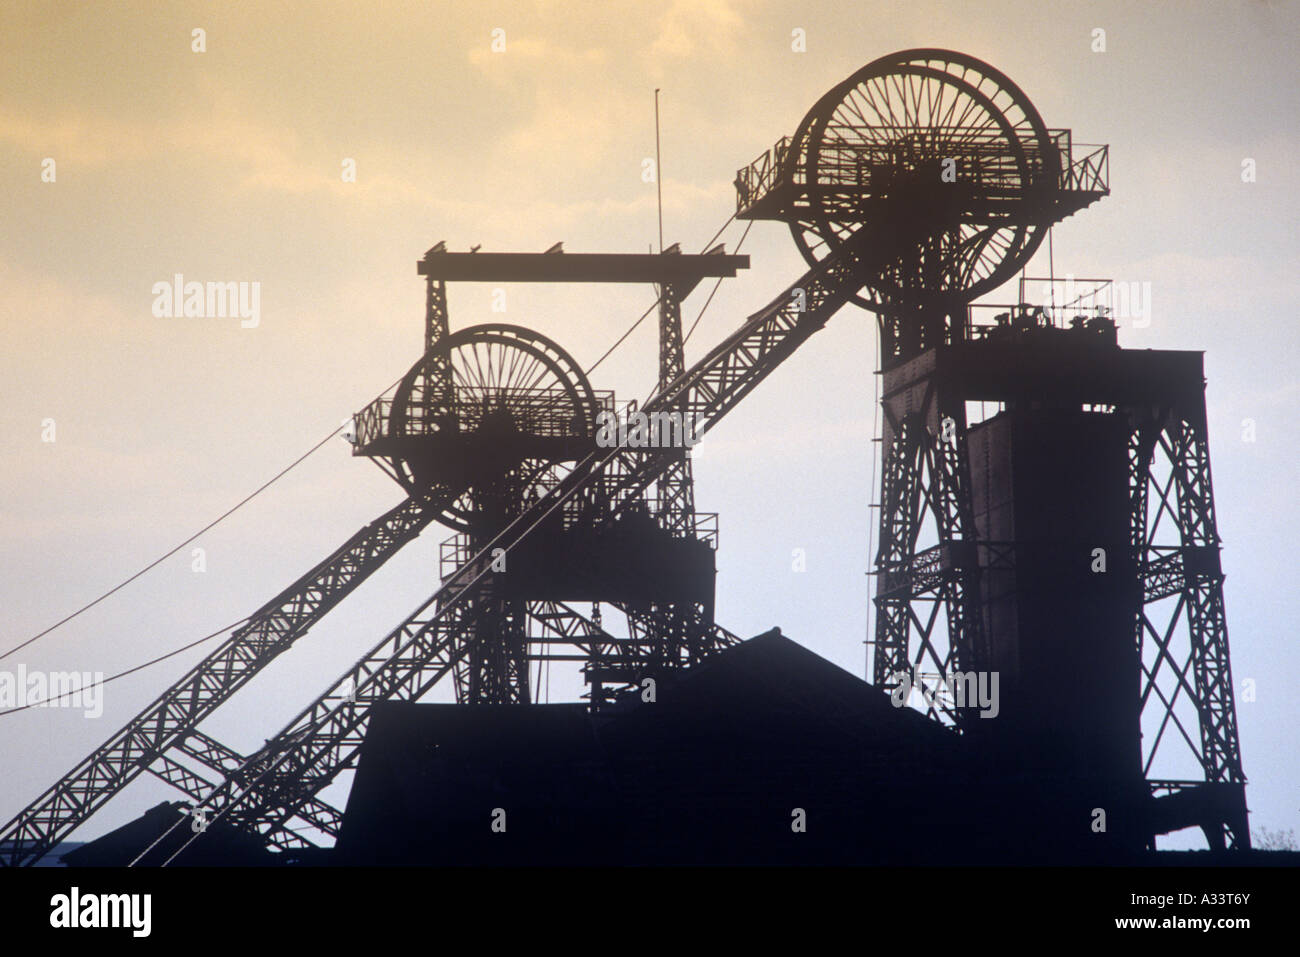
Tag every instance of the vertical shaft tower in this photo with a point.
(947, 167)
(493, 417)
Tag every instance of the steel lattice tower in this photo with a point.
(517, 411)
(920, 183)
(948, 168)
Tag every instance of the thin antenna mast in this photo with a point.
(659, 174)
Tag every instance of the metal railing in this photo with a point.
(1089, 173)
(549, 413)
(1065, 303)
(761, 176)
(981, 158)
(368, 424)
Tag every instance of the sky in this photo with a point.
(227, 165)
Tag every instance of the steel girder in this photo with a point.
(323, 740)
(437, 325)
(616, 666)
(171, 719)
(925, 489)
(1186, 644)
(224, 760)
(670, 635)
(1180, 629)
(675, 489)
(496, 669)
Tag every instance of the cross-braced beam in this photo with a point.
(1181, 629)
(323, 740)
(172, 718)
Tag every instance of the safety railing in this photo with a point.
(896, 153)
(1064, 303)
(1090, 173)
(549, 413)
(760, 177)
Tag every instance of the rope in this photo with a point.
(168, 554)
(720, 278)
(123, 674)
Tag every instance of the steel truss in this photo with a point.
(497, 668)
(667, 635)
(1181, 629)
(323, 740)
(281, 781)
(925, 486)
(930, 559)
(167, 726)
(927, 596)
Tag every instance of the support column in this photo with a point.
(675, 491)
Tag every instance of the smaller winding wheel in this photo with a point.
(486, 416)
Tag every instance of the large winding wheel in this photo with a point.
(492, 407)
(947, 164)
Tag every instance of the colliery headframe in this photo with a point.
(1045, 517)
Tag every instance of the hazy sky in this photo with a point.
(226, 165)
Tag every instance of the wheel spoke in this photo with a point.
(873, 146)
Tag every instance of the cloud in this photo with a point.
(526, 50)
(225, 138)
(693, 25)
(86, 139)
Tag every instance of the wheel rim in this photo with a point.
(490, 378)
(909, 110)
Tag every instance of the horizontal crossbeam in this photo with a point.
(683, 271)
